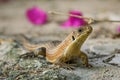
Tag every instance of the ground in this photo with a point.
(102, 47)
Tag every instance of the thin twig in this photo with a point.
(106, 20)
(60, 13)
(88, 19)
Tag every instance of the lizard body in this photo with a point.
(67, 49)
(54, 52)
(73, 50)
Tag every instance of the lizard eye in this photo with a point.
(79, 30)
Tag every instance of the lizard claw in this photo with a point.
(66, 66)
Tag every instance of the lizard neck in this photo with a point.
(53, 55)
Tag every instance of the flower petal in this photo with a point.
(118, 29)
(73, 21)
(36, 16)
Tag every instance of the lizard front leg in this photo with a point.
(84, 59)
(63, 62)
(40, 51)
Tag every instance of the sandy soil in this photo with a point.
(13, 22)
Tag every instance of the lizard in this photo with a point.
(67, 50)
(41, 49)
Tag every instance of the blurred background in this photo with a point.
(13, 17)
(21, 17)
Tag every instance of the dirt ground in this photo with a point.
(99, 47)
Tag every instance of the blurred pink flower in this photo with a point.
(73, 21)
(36, 16)
(118, 29)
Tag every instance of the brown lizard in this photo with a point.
(67, 49)
(41, 49)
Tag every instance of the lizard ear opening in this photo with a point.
(73, 38)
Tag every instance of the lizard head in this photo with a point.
(86, 29)
(81, 34)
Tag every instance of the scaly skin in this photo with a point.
(39, 49)
(73, 50)
(68, 49)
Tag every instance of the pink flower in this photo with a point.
(73, 21)
(36, 16)
(118, 29)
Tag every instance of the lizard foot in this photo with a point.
(27, 55)
(88, 65)
(66, 66)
